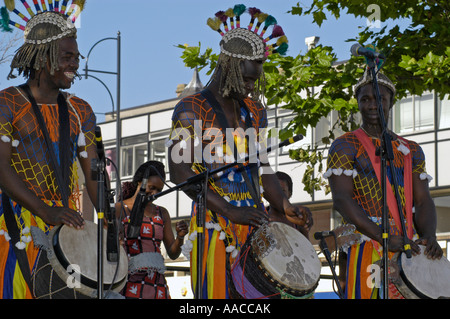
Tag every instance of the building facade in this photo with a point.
(144, 130)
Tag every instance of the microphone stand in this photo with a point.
(324, 247)
(98, 167)
(199, 184)
(386, 153)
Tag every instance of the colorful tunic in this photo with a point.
(349, 156)
(146, 264)
(31, 161)
(194, 121)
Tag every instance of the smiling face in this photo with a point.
(68, 63)
(154, 185)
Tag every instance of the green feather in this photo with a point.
(4, 22)
(282, 49)
(270, 20)
(239, 9)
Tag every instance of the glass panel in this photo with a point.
(140, 156)
(158, 152)
(424, 112)
(404, 115)
(444, 115)
(134, 140)
(127, 161)
(111, 154)
(443, 156)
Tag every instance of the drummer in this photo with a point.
(234, 201)
(287, 187)
(49, 61)
(357, 194)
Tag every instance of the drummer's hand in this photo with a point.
(246, 215)
(299, 215)
(61, 215)
(181, 228)
(396, 244)
(432, 248)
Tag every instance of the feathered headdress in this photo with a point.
(70, 12)
(254, 34)
(50, 21)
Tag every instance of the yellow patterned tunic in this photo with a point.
(31, 160)
(195, 115)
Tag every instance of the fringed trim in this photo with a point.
(186, 249)
(339, 171)
(5, 234)
(24, 239)
(402, 148)
(150, 262)
(81, 137)
(424, 176)
(7, 139)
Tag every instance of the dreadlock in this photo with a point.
(229, 65)
(41, 44)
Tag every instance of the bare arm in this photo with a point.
(172, 244)
(425, 219)
(12, 184)
(342, 191)
(181, 157)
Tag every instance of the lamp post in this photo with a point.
(117, 109)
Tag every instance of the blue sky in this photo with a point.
(151, 66)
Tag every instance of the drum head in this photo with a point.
(78, 247)
(291, 260)
(427, 278)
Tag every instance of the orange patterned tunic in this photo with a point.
(31, 160)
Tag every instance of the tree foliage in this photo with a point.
(315, 83)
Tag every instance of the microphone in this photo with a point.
(291, 140)
(99, 140)
(111, 236)
(137, 213)
(358, 50)
(322, 234)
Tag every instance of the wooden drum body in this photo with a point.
(422, 278)
(277, 261)
(67, 264)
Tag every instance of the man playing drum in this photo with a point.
(43, 191)
(199, 123)
(357, 194)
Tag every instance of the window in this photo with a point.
(158, 152)
(444, 112)
(414, 114)
(134, 153)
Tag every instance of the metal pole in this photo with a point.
(118, 124)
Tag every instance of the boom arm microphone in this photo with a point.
(291, 140)
(137, 213)
(358, 50)
(322, 234)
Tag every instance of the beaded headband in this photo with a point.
(44, 13)
(381, 79)
(260, 47)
